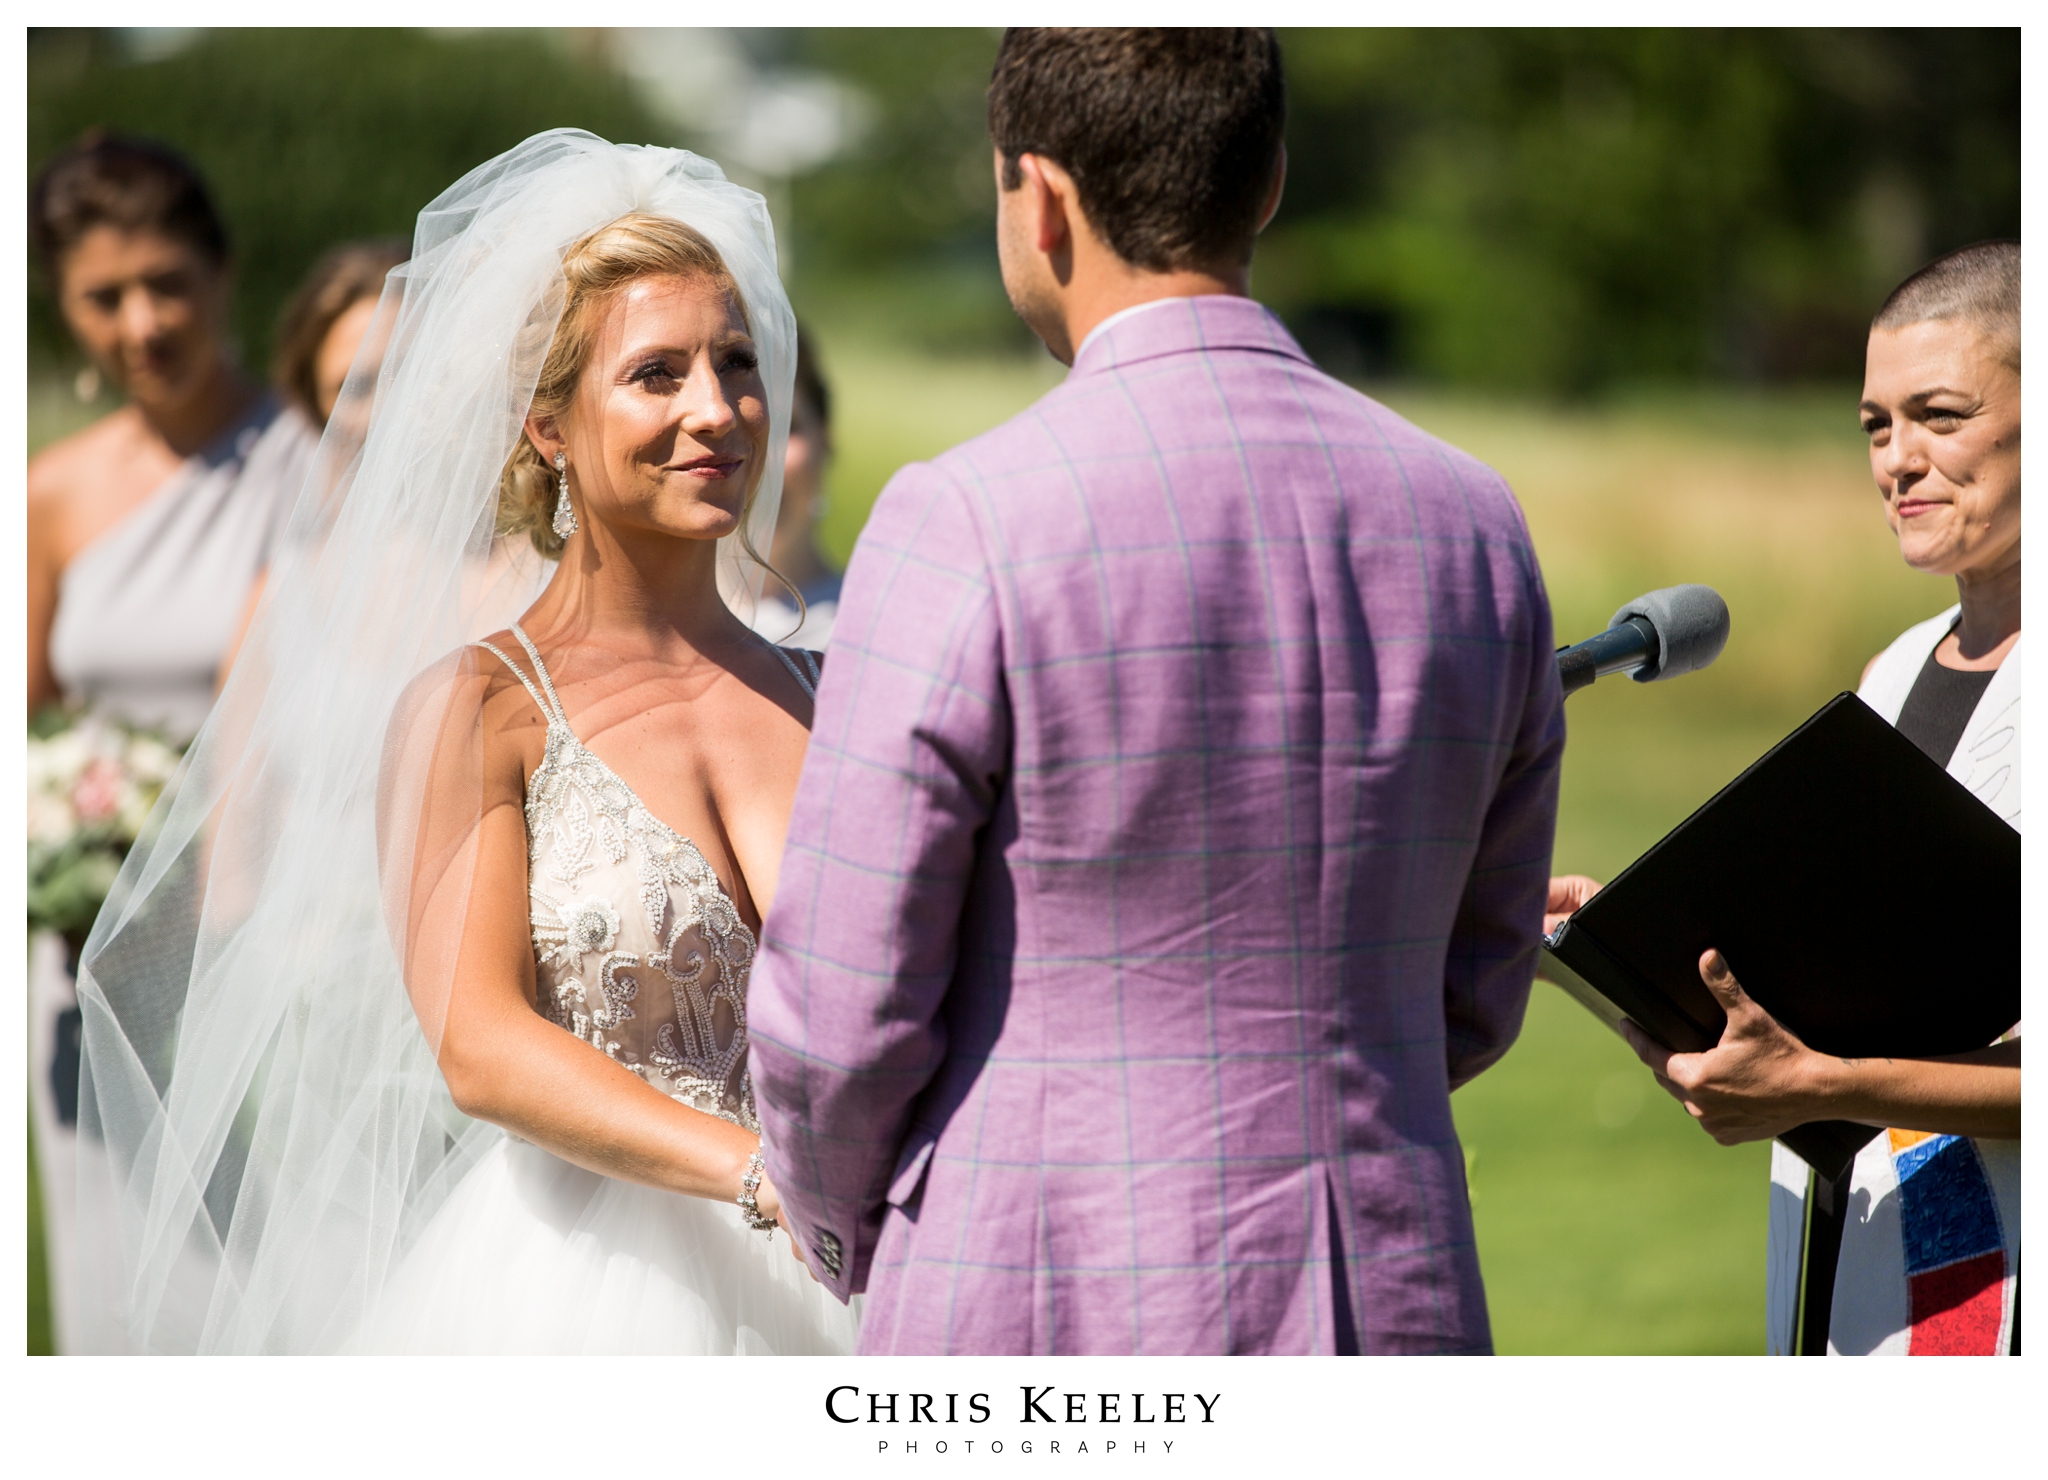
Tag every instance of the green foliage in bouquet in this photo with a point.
(92, 783)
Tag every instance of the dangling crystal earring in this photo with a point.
(565, 517)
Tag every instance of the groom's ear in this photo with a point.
(1272, 206)
(1052, 200)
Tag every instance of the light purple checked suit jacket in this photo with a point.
(1173, 839)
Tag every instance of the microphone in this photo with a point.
(1680, 629)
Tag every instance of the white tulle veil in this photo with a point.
(262, 1126)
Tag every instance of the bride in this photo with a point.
(419, 1024)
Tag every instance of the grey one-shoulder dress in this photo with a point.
(144, 616)
(146, 611)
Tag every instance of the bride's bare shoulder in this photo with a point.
(457, 674)
(469, 688)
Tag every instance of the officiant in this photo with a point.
(1929, 1261)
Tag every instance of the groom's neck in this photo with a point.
(1103, 288)
(1064, 277)
(1068, 279)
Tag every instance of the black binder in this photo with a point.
(1861, 895)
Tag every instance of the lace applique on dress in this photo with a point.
(638, 950)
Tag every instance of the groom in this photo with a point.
(1174, 832)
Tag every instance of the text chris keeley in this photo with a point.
(850, 1404)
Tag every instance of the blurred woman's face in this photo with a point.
(149, 310)
(803, 469)
(669, 430)
(338, 351)
(1942, 410)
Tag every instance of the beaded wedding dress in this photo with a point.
(639, 952)
(269, 1158)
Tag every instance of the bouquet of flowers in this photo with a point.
(91, 784)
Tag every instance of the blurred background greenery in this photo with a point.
(1630, 269)
(1552, 212)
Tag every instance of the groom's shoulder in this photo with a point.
(1422, 457)
(1372, 450)
(1024, 448)
(1030, 440)
(1206, 412)
(1272, 402)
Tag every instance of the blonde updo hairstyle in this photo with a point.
(593, 270)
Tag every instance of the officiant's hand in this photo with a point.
(1757, 1082)
(1760, 1080)
(1567, 893)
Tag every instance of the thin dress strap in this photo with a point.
(551, 704)
(809, 683)
(541, 670)
(540, 701)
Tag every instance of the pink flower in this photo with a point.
(98, 793)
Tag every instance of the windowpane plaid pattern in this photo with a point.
(1173, 839)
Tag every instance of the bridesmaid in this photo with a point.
(146, 531)
(324, 324)
(318, 335)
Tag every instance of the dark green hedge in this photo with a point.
(1547, 210)
(309, 137)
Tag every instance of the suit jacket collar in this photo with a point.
(1185, 325)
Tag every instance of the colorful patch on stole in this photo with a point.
(1954, 1245)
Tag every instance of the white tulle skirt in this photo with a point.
(533, 1255)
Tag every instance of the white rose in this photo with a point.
(136, 803)
(150, 761)
(64, 758)
(50, 819)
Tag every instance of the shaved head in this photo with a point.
(1979, 284)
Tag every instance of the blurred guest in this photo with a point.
(324, 324)
(318, 335)
(799, 565)
(147, 529)
(1916, 1249)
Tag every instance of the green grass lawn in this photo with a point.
(39, 1344)
(1607, 1222)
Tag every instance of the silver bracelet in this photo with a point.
(751, 1209)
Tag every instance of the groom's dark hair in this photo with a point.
(1171, 136)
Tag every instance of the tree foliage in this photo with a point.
(1548, 210)
(898, 234)
(310, 137)
(1563, 209)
